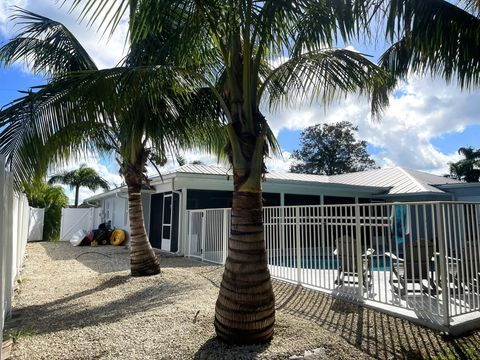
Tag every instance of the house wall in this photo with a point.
(466, 194)
(415, 198)
(201, 191)
(214, 199)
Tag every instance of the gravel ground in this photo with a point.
(81, 303)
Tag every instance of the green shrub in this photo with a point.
(52, 199)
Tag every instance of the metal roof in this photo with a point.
(399, 180)
(396, 180)
(216, 170)
(201, 169)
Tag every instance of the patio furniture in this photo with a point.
(347, 255)
(412, 271)
(463, 270)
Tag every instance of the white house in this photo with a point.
(205, 187)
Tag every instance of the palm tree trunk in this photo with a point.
(143, 261)
(245, 308)
(77, 188)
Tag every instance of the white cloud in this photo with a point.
(6, 7)
(426, 109)
(422, 110)
(105, 51)
(280, 163)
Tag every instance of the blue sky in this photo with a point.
(12, 80)
(427, 121)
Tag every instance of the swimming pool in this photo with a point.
(377, 262)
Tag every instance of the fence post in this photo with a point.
(225, 236)
(189, 234)
(16, 219)
(202, 246)
(297, 245)
(443, 263)
(358, 250)
(9, 246)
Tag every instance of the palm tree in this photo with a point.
(434, 37)
(240, 40)
(467, 169)
(84, 176)
(229, 48)
(132, 110)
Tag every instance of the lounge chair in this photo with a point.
(463, 270)
(471, 277)
(347, 256)
(412, 271)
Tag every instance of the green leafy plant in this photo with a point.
(17, 334)
(52, 198)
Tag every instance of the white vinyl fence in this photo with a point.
(14, 218)
(75, 219)
(420, 261)
(36, 223)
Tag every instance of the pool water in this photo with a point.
(378, 263)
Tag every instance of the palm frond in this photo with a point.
(309, 25)
(32, 146)
(325, 75)
(473, 6)
(83, 176)
(433, 37)
(120, 108)
(107, 14)
(47, 46)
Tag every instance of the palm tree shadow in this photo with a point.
(110, 259)
(72, 312)
(377, 334)
(216, 349)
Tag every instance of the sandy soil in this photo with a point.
(81, 303)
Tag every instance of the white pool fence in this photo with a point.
(417, 260)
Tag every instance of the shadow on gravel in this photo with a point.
(376, 334)
(108, 259)
(75, 311)
(216, 349)
(181, 262)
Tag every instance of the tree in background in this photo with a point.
(331, 149)
(82, 177)
(182, 161)
(467, 169)
(52, 198)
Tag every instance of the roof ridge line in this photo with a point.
(412, 178)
